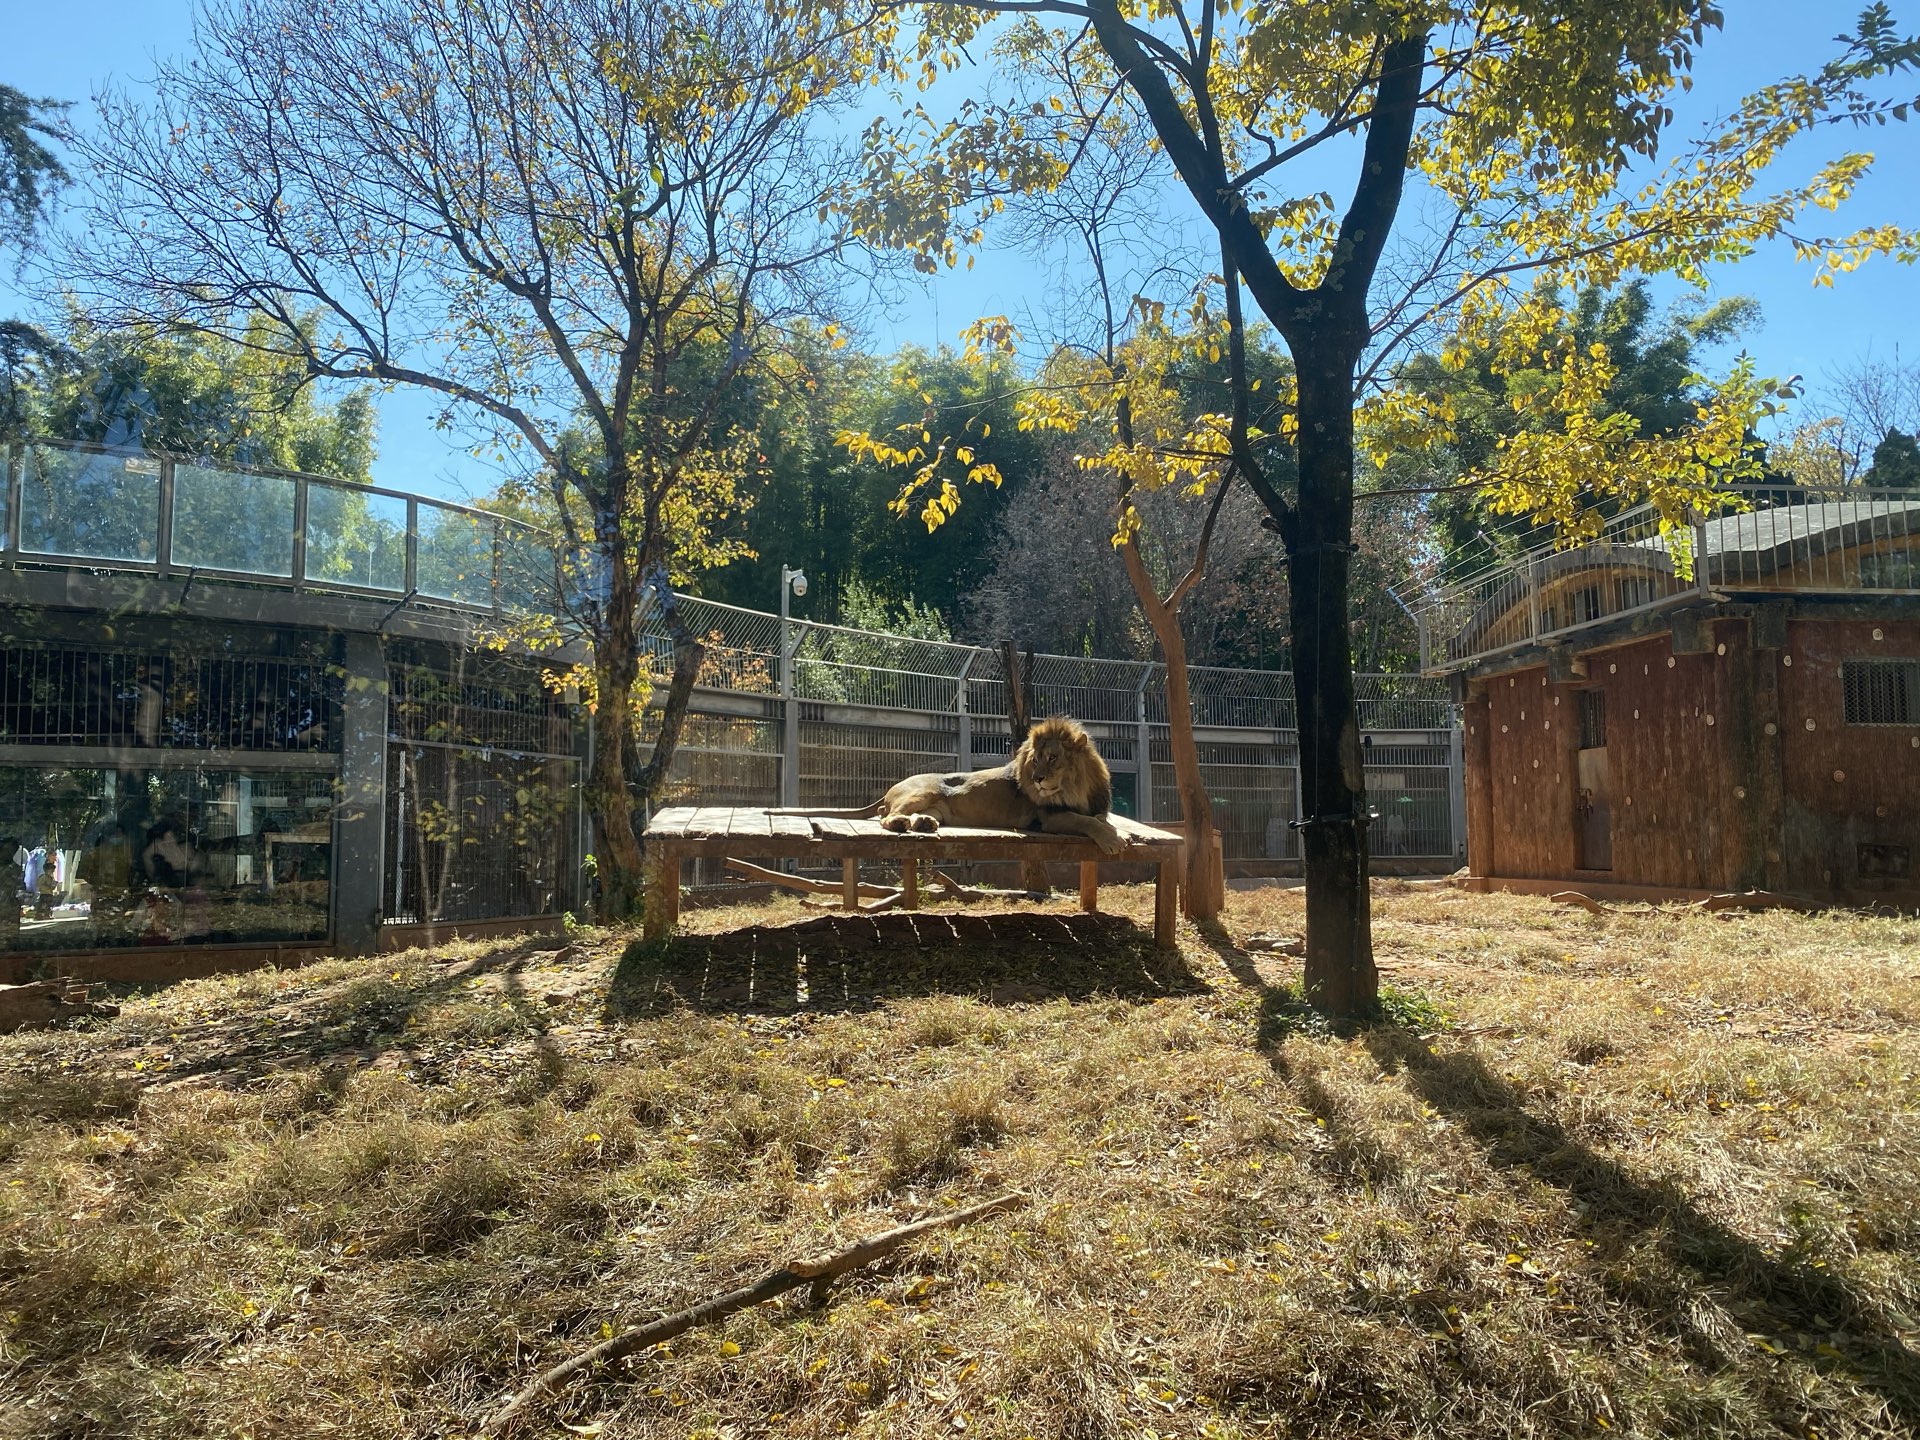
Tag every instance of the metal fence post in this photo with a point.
(163, 541)
(1700, 554)
(1142, 750)
(1457, 788)
(963, 744)
(790, 718)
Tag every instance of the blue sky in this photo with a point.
(1805, 330)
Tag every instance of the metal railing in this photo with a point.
(829, 716)
(817, 714)
(68, 503)
(1764, 539)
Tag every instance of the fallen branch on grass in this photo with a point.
(954, 890)
(1752, 900)
(816, 1272)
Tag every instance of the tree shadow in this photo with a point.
(345, 1025)
(1619, 1211)
(842, 962)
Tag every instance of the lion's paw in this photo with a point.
(1111, 841)
(926, 824)
(898, 824)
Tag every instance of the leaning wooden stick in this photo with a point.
(797, 1273)
(802, 883)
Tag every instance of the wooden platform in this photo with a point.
(746, 833)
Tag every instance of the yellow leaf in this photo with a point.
(729, 1347)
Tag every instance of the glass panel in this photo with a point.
(105, 507)
(527, 572)
(106, 857)
(356, 538)
(455, 557)
(227, 521)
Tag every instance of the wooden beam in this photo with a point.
(1090, 886)
(909, 884)
(850, 883)
(1166, 904)
(662, 912)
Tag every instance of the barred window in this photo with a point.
(1881, 692)
(1593, 719)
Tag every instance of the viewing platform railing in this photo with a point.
(1764, 539)
(71, 504)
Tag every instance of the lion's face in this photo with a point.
(1057, 765)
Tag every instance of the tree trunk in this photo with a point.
(616, 665)
(1203, 890)
(1340, 974)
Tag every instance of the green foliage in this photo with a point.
(29, 171)
(196, 395)
(827, 512)
(1896, 462)
(864, 609)
(1654, 387)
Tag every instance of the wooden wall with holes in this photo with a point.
(1731, 759)
(1852, 791)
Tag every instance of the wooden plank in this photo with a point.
(671, 821)
(933, 848)
(751, 824)
(709, 822)
(910, 884)
(790, 827)
(833, 827)
(1090, 886)
(1166, 904)
(850, 883)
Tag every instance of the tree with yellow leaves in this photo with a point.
(586, 224)
(1539, 143)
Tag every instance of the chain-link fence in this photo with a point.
(794, 713)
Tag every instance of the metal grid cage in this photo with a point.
(168, 699)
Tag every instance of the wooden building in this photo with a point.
(1734, 705)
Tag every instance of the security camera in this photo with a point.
(799, 584)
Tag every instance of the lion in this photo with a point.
(1056, 782)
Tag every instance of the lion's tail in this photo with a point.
(865, 812)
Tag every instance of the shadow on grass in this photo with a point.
(853, 962)
(337, 1027)
(1620, 1211)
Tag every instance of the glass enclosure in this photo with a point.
(226, 520)
(73, 502)
(106, 857)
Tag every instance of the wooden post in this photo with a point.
(663, 891)
(1166, 903)
(909, 884)
(850, 883)
(1090, 886)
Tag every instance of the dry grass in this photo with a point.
(1651, 1173)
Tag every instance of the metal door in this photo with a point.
(1593, 813)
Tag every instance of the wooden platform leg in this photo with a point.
(663, 891)
(909, 884)
(850, 883)
(1090, 886)
(1166, 904)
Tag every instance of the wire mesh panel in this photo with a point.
(1410, 791)
(457, 697)
(1402, 702)
(168, 699)
(1237, 699)
(721, 760)
(477, 834)
(1252, 787)
(1086, 689)
(845, 765)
